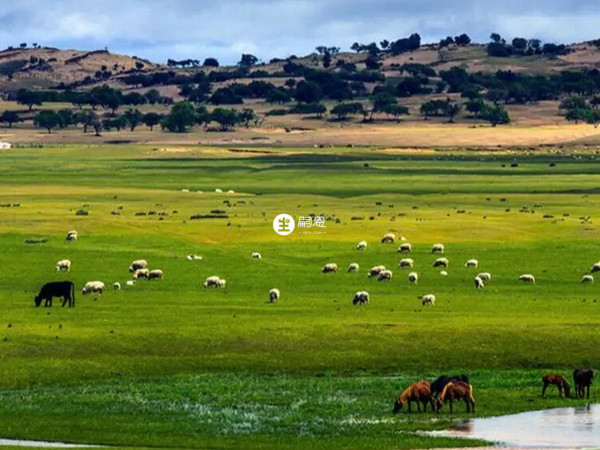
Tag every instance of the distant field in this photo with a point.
(168, 363)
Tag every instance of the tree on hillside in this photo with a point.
(495, 115)
(592, 117)
(226, 118)
(343, 110)
(462, 39)
(47, 119)
(210, 62)
(10, 117)
(396, 111)
(65, 117)
(151, 119)
(247, 60)
(29, 98)
(181, 116)
(134, 118)
(381, 101)
(152, 96)
(308, 92)
(246, 116)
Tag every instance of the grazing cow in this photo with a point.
(138, 264)
(587, 279)
(130, 282)
(595, 267)
(478, 283)
(441, 262)
(274, 295)
(95, 287)
(457, 390)
(353, 267)
(330, 268)
(405, 248)
(155, 274)
(72, 235)
(485, 276)
(63, 264)
(64, 289)
(141, 273)
(582, 379)
(438, 385)
(117, 286)
(437, 248)
(374, 271)
(360, 298)
(527, 278)
(388, 238)
(362, 245)
(419, 392)
(385, 275)
(406, 262)
(212, 281)
(256, 255)
(428, 299)
(413, 277)
(558, 380)
(472, 263)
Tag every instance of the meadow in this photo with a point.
(170, 364)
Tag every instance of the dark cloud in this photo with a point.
(160, 29)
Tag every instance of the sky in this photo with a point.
(224, 29)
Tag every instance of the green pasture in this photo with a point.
(170, 364)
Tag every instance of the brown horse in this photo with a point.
(419, 392)
(556, 379)
(582, 380)
(457, 390)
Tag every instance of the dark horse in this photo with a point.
(64, 289)
(564, 390)
(582, 380)
(438, 385)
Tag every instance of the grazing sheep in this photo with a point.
(212, 281)
(140, 273)
(587, 279)
(155, 274)
(385, 275)
(256, 255)
(402, 238)
(130, 282)
(406, 247)
(96, 287)
(595, 267)
(330, 268)
(72, 235)
(443, 273)
(437, 248)
(362, 245)
(353, 267)
(231, 191)
(413, 277)
(218, 191)
(138, 264)
(63, 264)
(193, 257)
(360, 298)
(441, 262)
(388, 238)
(478, 283)
(374, 271)
(185, 190)
(472, 263)
(428, 299)
(485, 276)
(527, 278)
(117, 286)
(406, 262)
(274, 295)
(222, 283)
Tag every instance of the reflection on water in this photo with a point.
(560, 427)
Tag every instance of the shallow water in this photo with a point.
(44, 444)
(554, 428)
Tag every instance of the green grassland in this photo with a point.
(170, 364)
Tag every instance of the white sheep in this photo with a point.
(478, 283)
(360, 298)
(587, 279)
(388, 238)
(330, 268)
(222, 283)
(527, 278)
(385, 275)
(406, 247)
(441, 262)
(63, 264)
(72, 235)
(362, 245)
(428, 299)
(413, 277)
(117, 286)
(212, 281)
(256, 255)
(595, 267)
(218, 191)
(155, 274)
(140, 273)
(374, 271)
(437, 248)
(406, 262)
(138, 264)
(485, 276)
(96, 287)
(274, 295)
(130, 282)
(353, 267)
(443, 273)
(472, 263)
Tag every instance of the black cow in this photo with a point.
(64, 289)
(438, 385)
(583, 379)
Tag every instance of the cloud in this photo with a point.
(161, 29)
